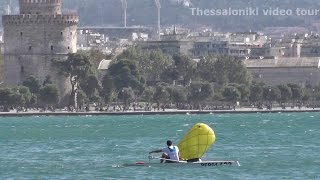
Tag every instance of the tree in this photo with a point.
(177, 94)
(148, 93)
(108, 89)
(133, 54)
(13, 97)
(49, 94)
(76, 67)
(231, 94)
(256, 93)
(151, 64)
(229, 70)
(297, 92)
(243, 89)
(81, 98)
(286, 93)
(271, 94)
(199, 92)
(158, 62)
(169, 75)
(161, 95)
(47, 81)
(124, 74)
(185, 67)
(206, 69)
(306, 97)
(127, 95)
(95, 57)
(24, 93)
(90, 85)
(33, 84)
(5, 96)
(33, 100)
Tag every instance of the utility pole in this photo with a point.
(158, 4)
(124, 7)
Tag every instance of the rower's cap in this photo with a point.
(169, 143)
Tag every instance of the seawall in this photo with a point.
(168, 112)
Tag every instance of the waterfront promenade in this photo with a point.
(166, 112)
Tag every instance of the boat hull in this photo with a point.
(203, 164)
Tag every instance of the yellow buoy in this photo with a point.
(196, 142)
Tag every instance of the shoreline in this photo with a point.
(167, 112)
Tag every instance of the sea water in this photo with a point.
(268, 146)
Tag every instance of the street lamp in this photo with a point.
(313, 98)
(124, 7)
(158, 4)
(124, 104)
(234, 98)
(270, 101)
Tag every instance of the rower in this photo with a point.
(170, 152)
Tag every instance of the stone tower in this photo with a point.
(34, 37)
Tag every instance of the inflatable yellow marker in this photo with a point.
(196, 142)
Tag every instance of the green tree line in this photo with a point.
(158, 80)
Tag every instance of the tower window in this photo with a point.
(68, 47)
(61, 33)
(21, 33)
(51, 48)
(30, 48)
(22, 69)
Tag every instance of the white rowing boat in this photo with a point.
(203, 164)
(192, 147)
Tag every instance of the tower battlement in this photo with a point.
(40, 1)
(40, 6)
(25, 19)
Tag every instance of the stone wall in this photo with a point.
(36, 36)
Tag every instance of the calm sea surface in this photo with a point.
(268, 146)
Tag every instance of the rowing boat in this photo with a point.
(192, 146)
(203, 164)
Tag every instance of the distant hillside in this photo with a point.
(143, 12)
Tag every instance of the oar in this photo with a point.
(152, 157)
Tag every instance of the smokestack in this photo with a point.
(158, 4)
(124, 7)
(9, 8)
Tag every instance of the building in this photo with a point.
(203, 49)
(311, 46)
(302, 71)
(120, 32)
(34, 37)
(170, 44)
(87, 40)
(241, 45)
(168, 47)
